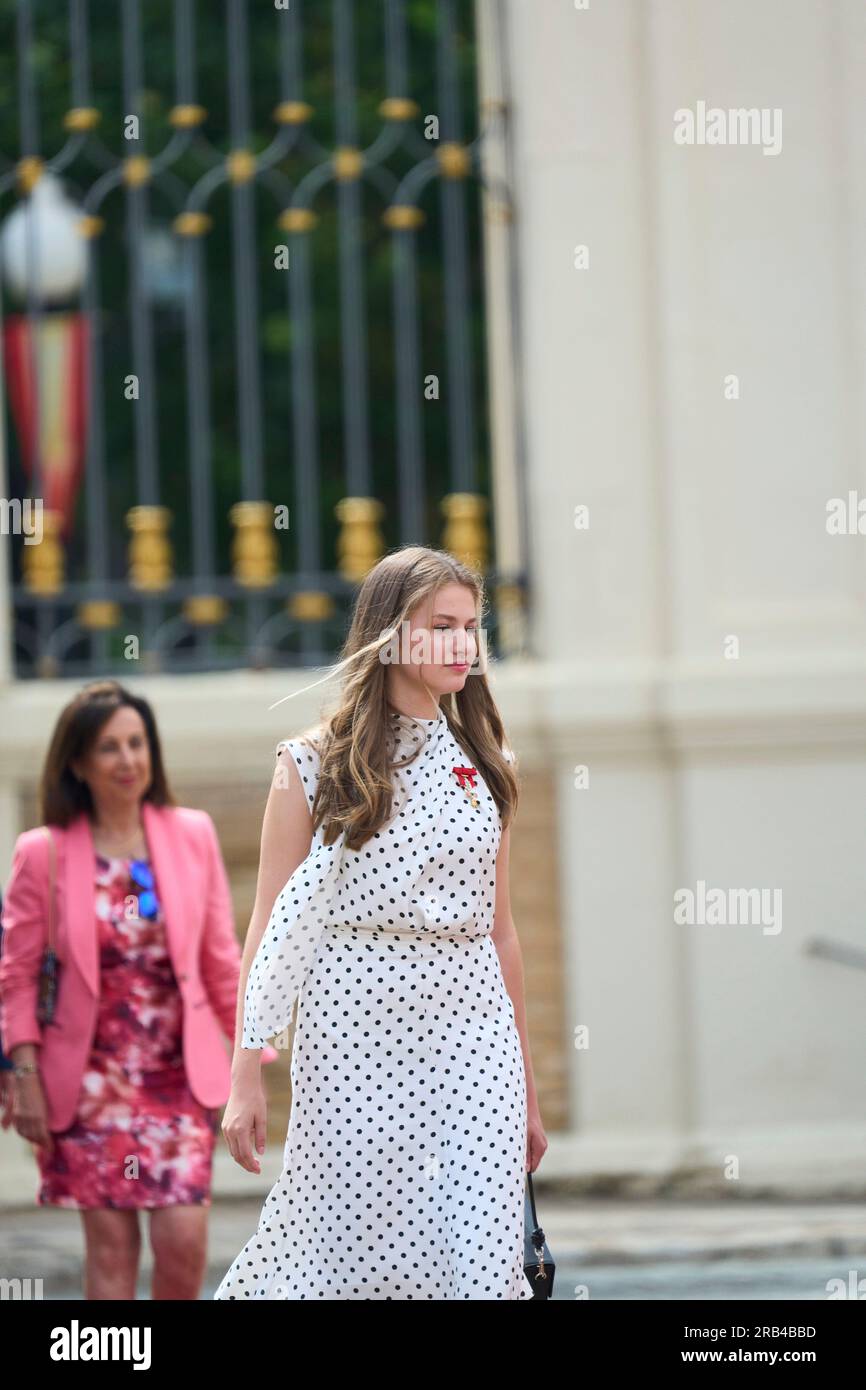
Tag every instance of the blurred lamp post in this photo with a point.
(43, 233)
(44, 261)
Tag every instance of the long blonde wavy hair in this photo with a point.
(355, 788)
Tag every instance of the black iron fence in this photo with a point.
(240, 362)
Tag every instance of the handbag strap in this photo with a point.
(531, 1197)
(538, 1236)
(51, 870)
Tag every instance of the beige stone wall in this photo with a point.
(537, 917)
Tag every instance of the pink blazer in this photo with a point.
(193, 889)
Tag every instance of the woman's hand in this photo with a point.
(30, 1111)
(245, 1121)
(536, 1139)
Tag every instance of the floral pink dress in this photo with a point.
(139, 1138)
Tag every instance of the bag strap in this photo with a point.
(51, 872)
(531, 1197)
(538, 1236)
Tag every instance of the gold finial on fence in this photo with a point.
(30, 170)
(82, 118)
(241, 165)
(136, 170)
(398, 109)
(359, 544)
(98, 614)
(187, 116)
(348, 163)
(403, 217)
(465, 533)
(205, 610)
(455, 160)
(292, 112)
(90, 226)
(254, 548)
(150, 559)
(310, 606)
(192, 223)
(43, 565)
(297, 220)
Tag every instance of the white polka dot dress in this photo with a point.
(405, 1160)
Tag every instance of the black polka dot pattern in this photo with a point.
(404, 1164)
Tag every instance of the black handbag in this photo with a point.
(538, 1263)
(49, 969)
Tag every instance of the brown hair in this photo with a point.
(62, 796)
(355, 789)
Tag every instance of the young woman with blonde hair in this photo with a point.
(383, 911)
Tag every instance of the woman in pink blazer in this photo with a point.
(120, 1090)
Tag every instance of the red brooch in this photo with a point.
(466, 779)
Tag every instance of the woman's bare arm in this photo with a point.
(287, 834)
(507, 943)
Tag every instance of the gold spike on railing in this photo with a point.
(297, 220)
(254, 548)
(205, 610)
(150, 557)
(187, 116)
(44, 564)
(292, 112)
(90, 227)
(240, 165)
(455, 161)
(82, 118)
(192, 223)
(136, 170)
(398, 109)
(403, 217)
(310, 606)
(29, 172)
(465, 532)
(98, 614)
(360, 544)
(348, 163)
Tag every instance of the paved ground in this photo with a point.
(725, 1247)
(605, 1249)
